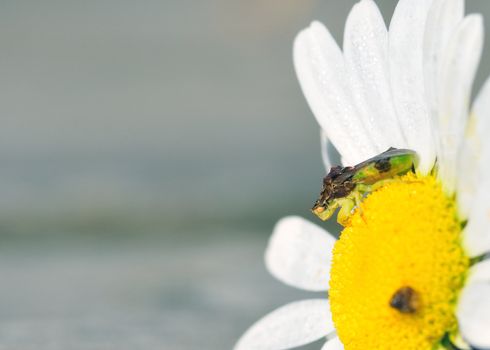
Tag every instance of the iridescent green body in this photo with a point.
(388, 164)
(344, 187)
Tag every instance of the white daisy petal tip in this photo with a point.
(474, 314)
(320, 69)
(443, 18)
(367, 65)
(474, 162)
(480, 273)
(295, 324)
(333, 344)
(299, 254)
(458, 68)
(476, 236)
(406, 53)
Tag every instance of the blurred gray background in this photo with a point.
(147, 149)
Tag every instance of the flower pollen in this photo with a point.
(398, 268)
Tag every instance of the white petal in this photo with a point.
(407, 79)
(333, 344)
(474, 314)
(366, 59)
(477, 231)
(460, 61)
(320, 69)
(325, 146)
(479, 273)
(292, 325)
(442, 20)
(299, 254)
(472, 166)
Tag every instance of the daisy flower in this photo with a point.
(409, 269)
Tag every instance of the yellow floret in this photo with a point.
(404, 235)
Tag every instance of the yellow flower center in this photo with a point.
(398, 268)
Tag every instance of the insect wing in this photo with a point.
(388, 164)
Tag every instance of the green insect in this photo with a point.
(344, 187)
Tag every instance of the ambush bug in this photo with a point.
(344, 187)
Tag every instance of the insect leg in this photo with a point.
(347, 205)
